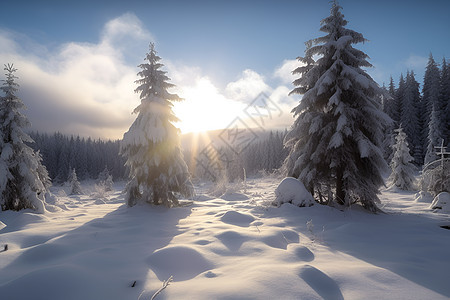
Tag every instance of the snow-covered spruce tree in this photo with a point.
(296, 133)
(399, 95)
(23, 178)
(391, 109)
(402, 175)
(435, 135)
(339, 125)
(158, 172)
(444, 100)
(430, 96)
(75, 187)
(409, 117)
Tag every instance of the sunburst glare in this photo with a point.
(204, 108)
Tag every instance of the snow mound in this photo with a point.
(181, 262)
(325, 286)
(281, 239)
(303, 253)
(441, 202)
(232, 240)
(234, 196)
(291, 190)
(16, 221)
(44, 253)
(423, 197)
(236, 218)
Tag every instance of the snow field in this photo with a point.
(232, 247)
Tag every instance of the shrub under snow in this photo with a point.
(291, 190)
(441, 202)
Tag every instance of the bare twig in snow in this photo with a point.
(165, 284)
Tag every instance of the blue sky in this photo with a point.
(212, 49)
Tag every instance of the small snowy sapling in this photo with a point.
(402, 175)
(75, 187)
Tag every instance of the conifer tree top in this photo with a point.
(334, 50)
(153, 83)
(10, 86)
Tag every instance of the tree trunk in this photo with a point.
(340, 191)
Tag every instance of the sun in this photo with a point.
(204, 108)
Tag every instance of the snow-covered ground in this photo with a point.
(231, 247)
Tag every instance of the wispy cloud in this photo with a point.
(414, 62)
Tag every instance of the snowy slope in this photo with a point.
(230, 247)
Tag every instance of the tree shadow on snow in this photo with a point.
(411, 246)
(105, 258)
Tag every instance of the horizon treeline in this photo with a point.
(62, 153)
(89, 157)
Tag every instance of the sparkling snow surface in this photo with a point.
(233, 247)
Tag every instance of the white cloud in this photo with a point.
(124, 27)
(246, 88)
(81, 87)
(182, 75)
(284, 72)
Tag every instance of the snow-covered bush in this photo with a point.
(441, 202)
(436, 180)
(423, 197)
(291, 190)
(99, 192)
(223, 186)
(105, 180)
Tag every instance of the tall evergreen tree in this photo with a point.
(23, 178)
(158, 172)
(399, 95)
(303, 84)
(434, 134)
(391, 107)
(444, 100)
(339, 125)
(430, 96)
(409, 117)
(402, 175)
